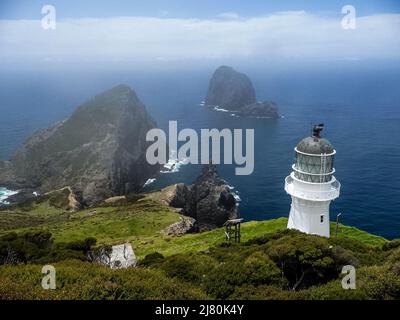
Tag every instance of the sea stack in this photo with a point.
(99, 151)
(233, 91)
(230, 89)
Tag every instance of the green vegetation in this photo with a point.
(83, 280)
(39, 247)
(140, 223)
(287, 264)
(279, 265)
(271, 262)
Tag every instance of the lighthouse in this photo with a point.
(312, 184)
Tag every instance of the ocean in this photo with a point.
(359, 107)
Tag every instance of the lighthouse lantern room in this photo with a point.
(312, 184)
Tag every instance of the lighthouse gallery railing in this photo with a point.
(327, 190)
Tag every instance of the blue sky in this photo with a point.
(30, 9)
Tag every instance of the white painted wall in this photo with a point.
(305, 216)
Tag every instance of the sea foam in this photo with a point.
(4, 194)
(174, 164)
(149, 181)
(235, 194)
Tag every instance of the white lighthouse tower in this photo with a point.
(312, 185)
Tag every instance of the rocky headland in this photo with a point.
(99, 152)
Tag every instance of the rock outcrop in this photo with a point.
(165, 196)
(230, 89)
(185, 225)
(233, 91)
(63, 199)
(119, 256)
(117, 200)
(209, 200)
(99, 151)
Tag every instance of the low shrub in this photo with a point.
(38, 247)
(151, 259)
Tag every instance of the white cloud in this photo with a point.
(286, 35)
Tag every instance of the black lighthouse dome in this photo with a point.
(315, 145)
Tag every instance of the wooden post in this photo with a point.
(232, 228)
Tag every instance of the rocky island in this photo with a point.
(98, 152)
(233, 91)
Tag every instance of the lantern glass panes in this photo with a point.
(314, 168)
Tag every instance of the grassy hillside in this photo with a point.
(109, 225)
(140, 223)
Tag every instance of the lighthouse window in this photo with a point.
(322, 218)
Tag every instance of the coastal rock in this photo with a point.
(233, 91)
(209, 200)
(23, 196)
(181, 197)
(185, 225)
(212, 200)
(117, 200)
(99, 151)
(173, 195)
(63, 198)
(230, 89)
